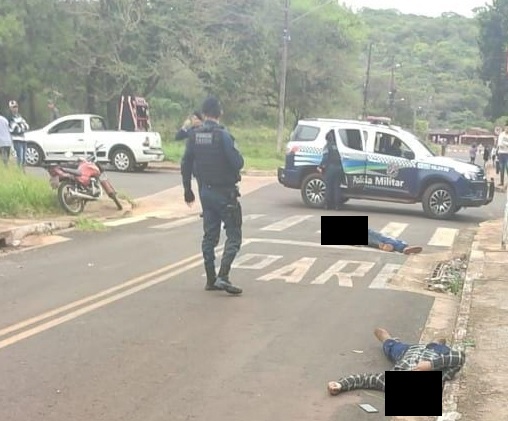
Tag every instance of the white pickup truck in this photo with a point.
(80, 133)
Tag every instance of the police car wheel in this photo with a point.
(313, 191)
(439, 201)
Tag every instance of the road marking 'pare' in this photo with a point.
(344, 278)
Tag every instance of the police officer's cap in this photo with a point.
(211, 107)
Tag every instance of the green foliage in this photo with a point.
(85, 54)
(493, 43)
(24, 195)
(90, 225)
(436, 68)
(257, 147)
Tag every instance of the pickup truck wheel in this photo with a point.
(313, 190)
(34, 155)
(122, 160)
(439, 201)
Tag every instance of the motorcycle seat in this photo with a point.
(72, 171)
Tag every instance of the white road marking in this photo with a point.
(263, 261)
(253, 216)
(384, 275)
(178, 222)
(344, 278)
(292, 273)
(443, 237)
(394, 229)
(286, 223)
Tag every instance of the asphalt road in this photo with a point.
(116, 325)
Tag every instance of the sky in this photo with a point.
(422, 7)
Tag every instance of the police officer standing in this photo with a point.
(331, 165)
(217, 164)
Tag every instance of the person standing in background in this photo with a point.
(54, 113)
(18, 126)
(5, 140)
(502, 153)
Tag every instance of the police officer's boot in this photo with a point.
(222, 282)
(211, 277)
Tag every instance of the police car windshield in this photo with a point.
(419, 147)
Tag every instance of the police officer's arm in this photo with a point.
(232, 154)
(187, 165)
(181, 134)
(324, 160)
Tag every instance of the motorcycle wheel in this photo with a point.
(70, 204)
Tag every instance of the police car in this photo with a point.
(385, 163)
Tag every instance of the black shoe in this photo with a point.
(227, 286)
(212, 287)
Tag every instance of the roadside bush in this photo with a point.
(24, 195)
(257, 145)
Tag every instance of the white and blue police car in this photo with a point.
(414, 174)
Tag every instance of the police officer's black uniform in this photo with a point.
(217, 165)
(331, 164)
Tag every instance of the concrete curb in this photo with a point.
(169, 166)
(474, 270)
(16, 234)
(12, 236)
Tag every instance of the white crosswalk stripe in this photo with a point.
(394, 229)
(286, 223)
(443, 237)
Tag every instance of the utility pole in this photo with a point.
(391, 94)
(366, 84)
(283, 76)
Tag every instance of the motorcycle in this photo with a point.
(83, 182)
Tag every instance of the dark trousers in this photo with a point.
(219, 206)
(503, 165)
(333, 175)
(5, 152)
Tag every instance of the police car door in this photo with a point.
(351, 144)
(390, 166)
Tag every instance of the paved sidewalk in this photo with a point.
(479, 394)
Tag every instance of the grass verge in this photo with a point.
(24, 195)
(88, 224)
(258, 148)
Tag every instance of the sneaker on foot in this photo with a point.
(334, 388)
(412, 250)
(227, 286)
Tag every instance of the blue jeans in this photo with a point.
(376, 238)
(395, 349)
(219, 206)
(20, 148)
